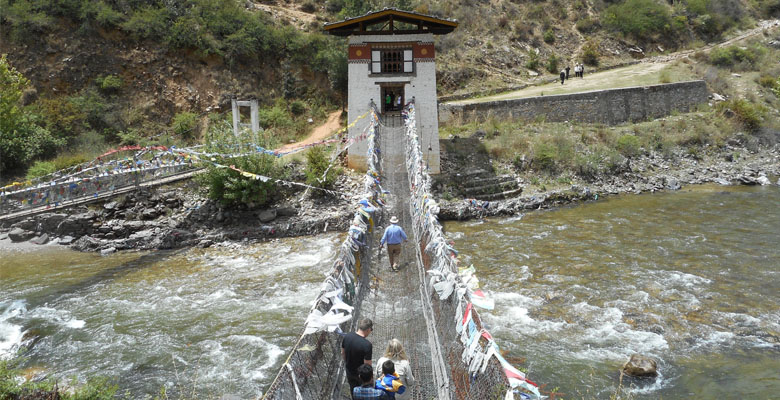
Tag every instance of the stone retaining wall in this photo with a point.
(610, 107)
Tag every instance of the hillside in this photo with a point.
(147, 71)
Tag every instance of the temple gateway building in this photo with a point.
(392, 61)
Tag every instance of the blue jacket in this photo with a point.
(391, 384)
(394, 234)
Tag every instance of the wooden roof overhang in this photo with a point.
(387, 17)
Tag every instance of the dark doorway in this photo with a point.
(392, 98)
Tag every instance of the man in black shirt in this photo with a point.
(357, 350)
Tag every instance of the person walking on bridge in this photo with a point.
(395, 353)
(366, 390)
(394, 235)
(356, 351)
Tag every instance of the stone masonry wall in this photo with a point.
(610, 107)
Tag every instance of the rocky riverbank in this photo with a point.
(174, 217)
(733, 165)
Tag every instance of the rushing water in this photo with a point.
(689, 278)
(201, 321)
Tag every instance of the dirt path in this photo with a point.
(319, 133)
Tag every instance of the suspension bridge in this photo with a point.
(430, 305)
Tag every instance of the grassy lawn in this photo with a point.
(632, 75)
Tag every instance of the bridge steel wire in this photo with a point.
(314, 368)
(466, 361)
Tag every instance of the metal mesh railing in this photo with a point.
(467, 362)
(314, 368)
(92, 180)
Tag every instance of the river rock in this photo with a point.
(763, 180)
(640, 366)
(108, 251)
(721, 181)
(76, 224)
(20, 235)
(3, 236)
(29, 224)
(66, 240)
(42, 239)
(266, 216)
(286, 212)
(673, 184)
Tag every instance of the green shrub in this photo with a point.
(22, 138)
(26, 19)
(297, 107)
(640, 19)
(148, 23)
(532, 62)
(549, 36)
(68, 160)
(275, 117)
(14, 386)
(587, 25)
(101, 13)
(109, 83)
(319, 171)
(308, 7)
(750, 115)
(768, 81)
(40, 168)
(545, 156)
(185, 124)
(590, 54)
(729, 56)
(628, 145)
(61, 116)
(552, 64)
(230, 188)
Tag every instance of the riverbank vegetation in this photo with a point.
(744, 76)
(15, 384)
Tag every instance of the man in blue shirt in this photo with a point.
(367, 389)
(394, 235)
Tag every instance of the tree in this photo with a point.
(338, 72)
(21, 140)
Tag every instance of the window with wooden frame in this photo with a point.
(392, 61)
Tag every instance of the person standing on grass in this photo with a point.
(567, 72)
(563, 76)
(582, 70)
(357, 351)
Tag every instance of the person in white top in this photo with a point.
(395, 352)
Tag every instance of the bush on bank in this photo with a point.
(13, 385)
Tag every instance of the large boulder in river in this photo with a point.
(640, 366)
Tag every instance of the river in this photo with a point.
(689, 278)
(198, 322)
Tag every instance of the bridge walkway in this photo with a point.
(394, 302)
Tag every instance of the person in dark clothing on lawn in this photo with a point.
(356, 351)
